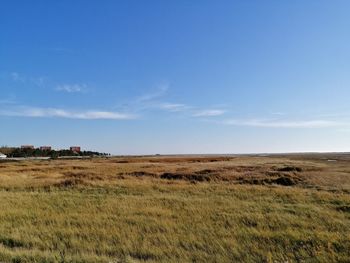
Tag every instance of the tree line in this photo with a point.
(14, 152)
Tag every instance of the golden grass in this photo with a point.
(109, 213)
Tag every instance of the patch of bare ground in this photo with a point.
(141, 174)
(206, 175)
(280, 179)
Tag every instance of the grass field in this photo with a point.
(291, 208)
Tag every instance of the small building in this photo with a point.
(2, 156)
(75, 149)
(45, 148)
(27, 147)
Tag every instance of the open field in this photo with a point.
(278, 208)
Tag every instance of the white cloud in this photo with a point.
(71, 88)
(173, 107)
(23, 111)
(208, 113)
(144, 102)
(285, 123)
(160, 92)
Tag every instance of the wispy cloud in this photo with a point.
(158, 93)
(39, 81)
(23, 79)
(277, 113)
(173, 107)
(145, 102)
(17, 77)
(209, 113)
(153, 101)
(285, 123)
(72, 88)
(150, 102)
(23, 111)
(8, 100)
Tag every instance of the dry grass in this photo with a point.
(303, 171)
(176, 209)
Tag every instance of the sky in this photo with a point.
(176, 77)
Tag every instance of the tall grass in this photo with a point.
(153, 220)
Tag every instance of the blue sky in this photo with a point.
(145, 77)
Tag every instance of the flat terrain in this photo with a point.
(278, 208)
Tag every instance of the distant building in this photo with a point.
(75, 148)
(27, 147)
(45, 148)
(2, 156)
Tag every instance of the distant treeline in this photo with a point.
(27, 152)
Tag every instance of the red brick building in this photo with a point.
(27, 147)
(45, 148)
(75, 148)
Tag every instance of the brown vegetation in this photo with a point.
(300, 171)
(291, 208)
